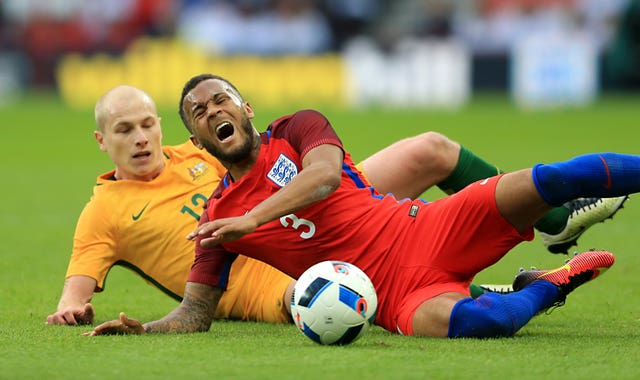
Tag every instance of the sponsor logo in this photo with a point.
(137, 216)
(566, 267)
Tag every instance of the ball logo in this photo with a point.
(353, 299)
(299, 321)
(361, 306)
(341, 268)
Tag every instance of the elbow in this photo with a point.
(329, 183)
(324, 191)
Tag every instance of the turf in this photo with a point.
(49, 161)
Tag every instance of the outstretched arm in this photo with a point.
(74, 307)
(194, 314)
(320, 176)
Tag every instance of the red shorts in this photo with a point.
(465, 233)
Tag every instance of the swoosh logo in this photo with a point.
(566, 267)
(606, 168)
(484, 182)
(138, 215)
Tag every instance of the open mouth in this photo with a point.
(142, 154)
(224, 131)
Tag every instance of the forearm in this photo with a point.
(77, 291)
(74, 307)
(194, 314)
(309, 186)
(320, 176)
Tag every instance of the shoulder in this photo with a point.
(187, 152)
(105, 185)
(105, 197)
(300, 126)
(300, 119)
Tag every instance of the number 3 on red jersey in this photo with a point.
(296, 223)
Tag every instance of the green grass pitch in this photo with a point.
(49, 160)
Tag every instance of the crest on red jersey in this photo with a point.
(283, 170)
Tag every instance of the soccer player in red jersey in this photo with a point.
(292, 197)
(152, 184)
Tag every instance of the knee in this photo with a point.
(436, 149)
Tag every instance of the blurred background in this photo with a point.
(516, 81)
(353, 53)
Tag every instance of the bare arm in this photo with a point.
(74, 307)
(194, 314)
(320, 176)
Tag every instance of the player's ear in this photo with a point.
(100, 139)
(249, 110)
(194, 141)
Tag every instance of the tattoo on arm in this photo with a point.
(194, 314)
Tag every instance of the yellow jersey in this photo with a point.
(142, 226)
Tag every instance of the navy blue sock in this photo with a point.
(600, 175)
(496, 315)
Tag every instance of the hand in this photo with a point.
(120, 326)
(82, 315)
(224, 230)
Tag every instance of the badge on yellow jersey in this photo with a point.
(198, 170)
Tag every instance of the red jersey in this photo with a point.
(386, 238)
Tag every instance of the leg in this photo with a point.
(518, 200)
(455, 315)
(255, 293)
(409, 167)
(590, 175)
(432, 316)
(494, 315)
(491, 315)
(523, 196)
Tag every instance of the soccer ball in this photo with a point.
(334, 303)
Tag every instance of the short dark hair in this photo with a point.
(191, 84)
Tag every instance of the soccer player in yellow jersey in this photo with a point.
(141, 212)
(119, 225)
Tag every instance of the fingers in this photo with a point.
(72, 316)
(126, 321)
(208, 228)
(107, 328)
(66, 317)
(212, 241)
(200, 231)
(221, 230)
(122, 325)
(56, 319)
(89, 313)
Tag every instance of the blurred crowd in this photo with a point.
(36, 33)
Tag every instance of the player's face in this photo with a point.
(220, 121)
(132, 138)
